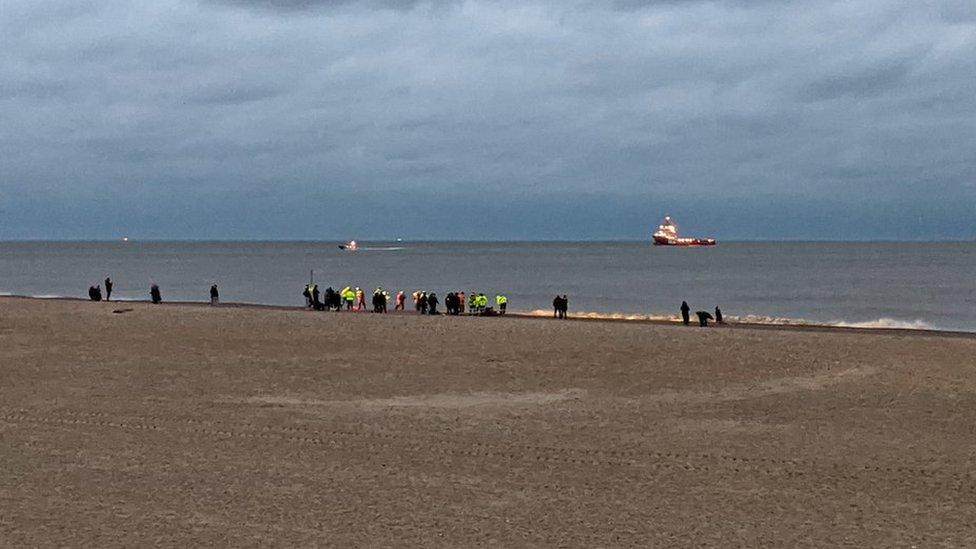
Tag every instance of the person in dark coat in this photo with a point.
(718, 316)
(422, 303)
(214, 294)
(557, 306)
(432, 304)
(108, 289)
(565, 304)
(157, 298)
(703, 318)
(685, 309)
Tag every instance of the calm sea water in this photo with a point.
(907, 284)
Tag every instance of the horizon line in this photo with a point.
(471, 241)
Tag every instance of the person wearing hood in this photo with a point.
(432, 304)
(685, 309)
(154, 294)
(703, 318)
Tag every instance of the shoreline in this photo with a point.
(798, 326)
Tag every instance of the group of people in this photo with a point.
(560, 304)
(425, 303)
(703, 316)
(95, 292)
(455, 303)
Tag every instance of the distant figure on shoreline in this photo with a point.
(560, 304)
(718, 316)
(684, 313)
(502, 302)
(154, 294)
(108, 289)
(214, 295)
(95, 293)
(422, 303)
(400, 299)
(360, 300)
(432, 304)
(703, 317)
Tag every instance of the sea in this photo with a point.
(863, 284)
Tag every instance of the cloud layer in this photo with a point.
(486, 119)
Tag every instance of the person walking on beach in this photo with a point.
(108, 289)
(214, 295)
(422, 303)
(718, 315)
(400, 299)
(432, 304)
(684, 312)
(154, 294)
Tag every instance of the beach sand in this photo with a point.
(182, 424)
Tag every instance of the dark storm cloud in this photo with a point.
(577, 119)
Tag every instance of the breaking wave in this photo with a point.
(880, 323)
(887, 323)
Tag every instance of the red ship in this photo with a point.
(667, 235)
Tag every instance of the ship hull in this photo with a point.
(683, 242)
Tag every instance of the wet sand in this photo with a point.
(181, 424)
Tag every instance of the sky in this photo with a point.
(487, 120)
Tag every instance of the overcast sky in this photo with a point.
(530, 119)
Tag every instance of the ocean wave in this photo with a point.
(603, 316)
(880, 323)
(887, 323)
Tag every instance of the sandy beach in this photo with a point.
(182, 424)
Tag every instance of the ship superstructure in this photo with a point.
(667, 235)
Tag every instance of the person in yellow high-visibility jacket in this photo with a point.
(502, 303)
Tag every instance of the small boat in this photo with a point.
(667, 235)
(350, 246)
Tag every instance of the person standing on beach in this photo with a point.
(422, 303)
(214, 294)
(565, 303)
(718, 316)
(461, 303)
(400, 299)
(154, 294)
(684, 312)
(360, 300)
(432, 304)
(502, 303)
(108, 289)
